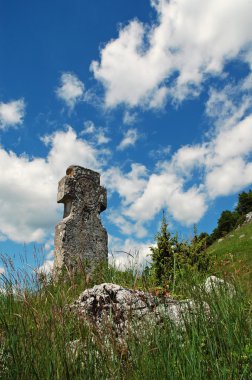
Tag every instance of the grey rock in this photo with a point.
(80, 236)
(123, 308)
(248, 217)
(218, 285)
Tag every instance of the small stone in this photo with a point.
(215, 284)
(241, 236)
(248, 217)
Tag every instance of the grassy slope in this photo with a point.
(36, 330)
(233, 256)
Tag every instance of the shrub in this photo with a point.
(244, 205)
(172, 259)
(163, 255)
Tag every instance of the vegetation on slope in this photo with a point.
(232, 256)
(229, 220)
(37, 329)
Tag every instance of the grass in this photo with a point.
(233, 257)
(36, 331)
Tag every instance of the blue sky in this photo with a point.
(155, 95)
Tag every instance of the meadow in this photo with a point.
(37, 328)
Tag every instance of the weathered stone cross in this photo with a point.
(80, 236)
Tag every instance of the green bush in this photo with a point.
(244, 205)
(164, 255)
(172, 259)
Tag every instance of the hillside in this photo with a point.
(233, 256)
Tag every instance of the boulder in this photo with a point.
(122, 308)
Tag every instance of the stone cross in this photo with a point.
(80, 236)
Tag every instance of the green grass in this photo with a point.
(36, 328)
(232, 256)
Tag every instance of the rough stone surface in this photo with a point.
(248, 217)
(80, 236)
(217, 285)
(120, 307)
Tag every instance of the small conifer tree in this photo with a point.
(172, 259)
(163, 254)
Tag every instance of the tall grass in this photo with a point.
(41, 339)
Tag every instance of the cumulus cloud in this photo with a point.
(129, 139)
(143, 195)
(28, 185)
(195, 174)
(173, 56)
(12, 113)
(70, 90)
(47, 266)
(129, 185)
(230, 177)
(165, 190)
(129, 253)
(89, 127)
(188, 157)
(160, 153)
(126, 226)
(228, 160)
(98, 134)
(129, 118)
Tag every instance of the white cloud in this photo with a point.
(234, 142)
(229, 178)
(125, 226)
(227, 163)
(101, 138)
(67, 149)
(220, 165)
(188, 157)
(227, 106)
(89, 127)
(129, 139)
(129, 253)
(129, 185)
(129, 118)
(47, 266)
(29, 185)
(160, 153)
(71, 89)
(174, 55)
(12, 113)
(165, 190)
(98, 134)
(144, 195)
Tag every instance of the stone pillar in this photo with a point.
(80, 236)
